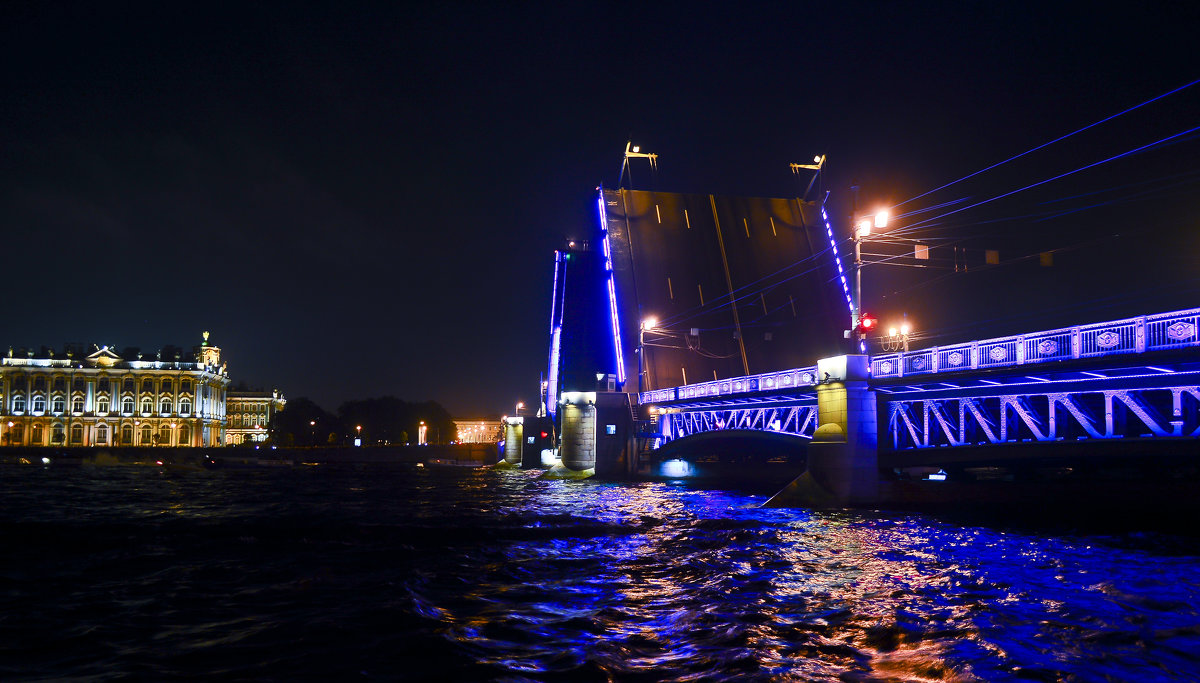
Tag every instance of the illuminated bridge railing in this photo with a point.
(767, 381)
(1164, 331)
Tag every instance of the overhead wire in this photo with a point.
(1059, 176)
(1058, 139)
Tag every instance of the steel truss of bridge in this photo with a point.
(1137, 402)
(1137, 378)
(795, 415)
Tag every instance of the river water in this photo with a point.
(378, 573)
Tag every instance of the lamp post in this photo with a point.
(897, 339)
(312, 432)
(421, 433)
(862, 230)
(358, 428)
(647, 325)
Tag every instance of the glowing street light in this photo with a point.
(862, 230)
(897, 338)
(648, 325)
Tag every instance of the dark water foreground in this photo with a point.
(344, 573)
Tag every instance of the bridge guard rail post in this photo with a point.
(843, 458)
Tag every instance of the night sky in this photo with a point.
(359, 201)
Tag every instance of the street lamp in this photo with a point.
(421, 433)
(862, 230)
(312, 432)
(897, 339)
(647, 325)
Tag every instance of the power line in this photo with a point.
(1047, 144)
(1059, 176)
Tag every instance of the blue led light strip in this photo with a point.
(837, 260)
(554, 291)
(612, 291)
(552, 383)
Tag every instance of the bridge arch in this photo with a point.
(734, 445)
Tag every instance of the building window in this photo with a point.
(76, 434)
(164, 435)
(147, 386)
(102, 405)
(79, 385)
(57, 434)
(186, 386)
(39, 384)
(60, 384)
(185, 436)
(35, 435)
(19, 404)
(127, 385)
(127, 435)
(127, 406)
(101, 434)
(166, 387)
(165, 406)
(77, 405)
(185, 406)
(58, 404)
(147, 406)
(16, 435)
(17, 381)
(102, 385)
(39, 404)
(146, 432)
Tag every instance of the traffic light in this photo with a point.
(867, 323)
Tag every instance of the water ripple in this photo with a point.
(336, 573)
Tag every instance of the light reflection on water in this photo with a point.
(431, 574)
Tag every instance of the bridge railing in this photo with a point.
(1176, 329)
(767, 381)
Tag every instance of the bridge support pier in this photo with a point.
(596, 435)
(514, 439)
(843, 464)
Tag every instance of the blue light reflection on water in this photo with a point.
(476, 575)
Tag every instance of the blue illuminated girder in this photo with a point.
(1045, 416)
(796, 420)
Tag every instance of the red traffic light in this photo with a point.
(544, 435)
(867, 323)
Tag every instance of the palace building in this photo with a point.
(249, 413)
(111, 398)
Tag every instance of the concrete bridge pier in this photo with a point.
(596, 434)
(843, 463)
(514, 439)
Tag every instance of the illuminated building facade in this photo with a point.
(106, 398)
(479, 431)
(250, 414)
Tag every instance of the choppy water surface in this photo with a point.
(443, 574)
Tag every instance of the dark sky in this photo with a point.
(360, 201)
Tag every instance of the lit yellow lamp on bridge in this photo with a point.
(648, 325)
(862, 230)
